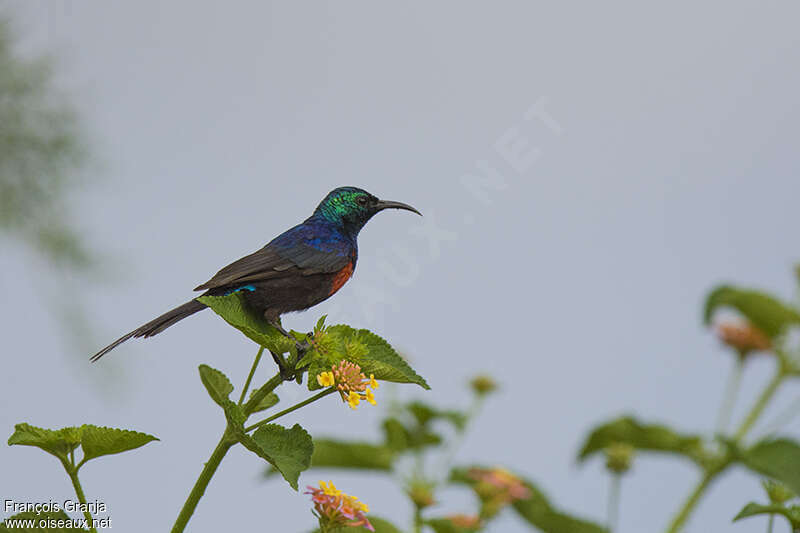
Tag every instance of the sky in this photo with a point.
(587, 172)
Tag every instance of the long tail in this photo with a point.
(155, 326)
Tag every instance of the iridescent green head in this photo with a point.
(352, 207)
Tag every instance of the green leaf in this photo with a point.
(400, 438)
(30, 522)
(765, 312)
(288, 450)
(425, 414)
(56, 442)
(217, 384)
(98, 441)
(266, 402)
(645, 437)
(329, 453)
(792, 513)
(778, 459)
(254, 326)
(372, 353)
(446, 525)
(219, 388)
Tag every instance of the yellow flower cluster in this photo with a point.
(335, 508)
(352, 384)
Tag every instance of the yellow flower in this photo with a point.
(329, 488)
(372, 382)
(371, 397)
(353, 399)
(325, 379)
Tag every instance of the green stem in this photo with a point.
(199, 488)
(729, 396)
(72, 472)
(260, 393)
(713, 471)
(225, 443)
(250, 375)
(692, 501)
(761, 403)
(288, 410)
(613, 502)
(417, 520)
(770, 523)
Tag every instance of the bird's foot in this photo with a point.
(284, 369)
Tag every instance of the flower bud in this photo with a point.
(619, 457)
(483, 385)
(778, 492)
(743, 337)
(421, 494)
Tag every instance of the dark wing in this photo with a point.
(273, 262)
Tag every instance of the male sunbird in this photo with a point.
(298, 269)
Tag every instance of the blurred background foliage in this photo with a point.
(42, 154)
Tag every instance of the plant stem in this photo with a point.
(417, 520)
(729, 396)
(713, 471)
(260, 393)
(250, 375)
(225, 443)
(761, 404)
(770, 523)
(199, 488)
(288, 410)
(72, 472)
(613, 502)
(692, 501)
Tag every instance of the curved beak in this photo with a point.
(385, 204)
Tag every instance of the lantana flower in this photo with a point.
(352, 385)
(333, 508)
(743, 337)
(497, 487)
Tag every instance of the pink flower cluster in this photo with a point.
(334, 508)
(497, 488)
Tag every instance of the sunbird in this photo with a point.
(296, 270)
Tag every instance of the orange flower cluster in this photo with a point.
(743, 337)
(334, 508)
(352, 384)
(497, 488)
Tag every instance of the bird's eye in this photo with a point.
(361, 200)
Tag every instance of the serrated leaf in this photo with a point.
(778, 459)
(372, 353)
(765, 312)
(31, 522)
(56, 442)
(98, 441)
(254, 326)
(645, 437)
(288, 450)
(330, 453)
(217, 384)
(270, 400)
(792, 514)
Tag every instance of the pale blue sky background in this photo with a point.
(668, 163)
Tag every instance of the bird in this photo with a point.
(298, 269)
